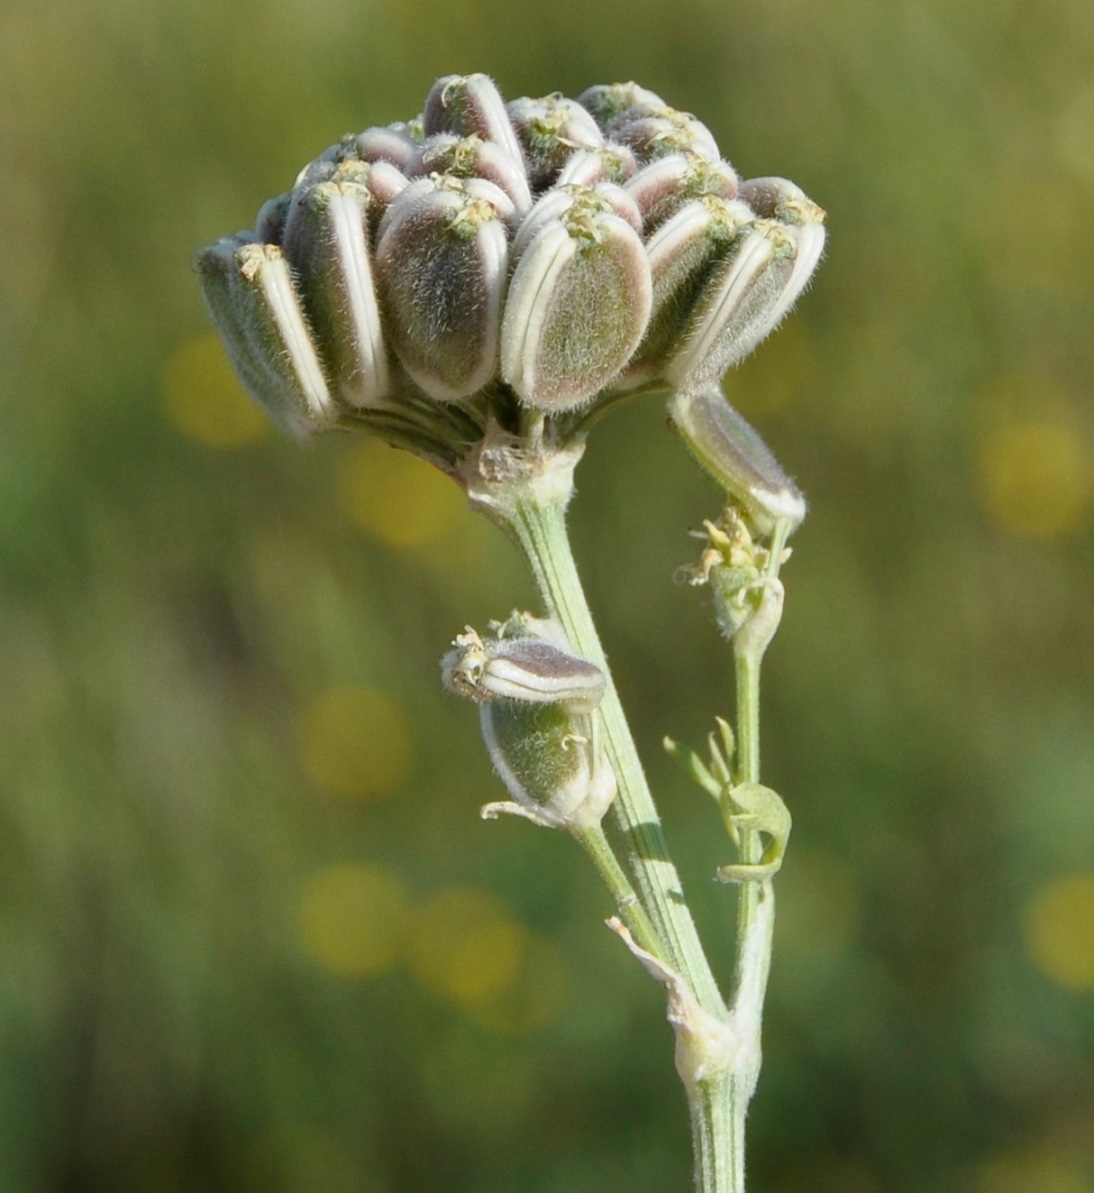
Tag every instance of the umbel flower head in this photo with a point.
(490, 268)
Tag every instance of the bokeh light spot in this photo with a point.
(1075, 133)
(355, 742)
(204, 399)
(397, 498)
(1059, 930)
(1033, 479)
(466, 944)
(466, 947)
(350, 919)
(1028, 1170)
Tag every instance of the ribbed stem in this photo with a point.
(631, 911)
(748, 771)
(540, 528)
(528, 496)
(718, 1135)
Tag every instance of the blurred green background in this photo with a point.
(253, 935)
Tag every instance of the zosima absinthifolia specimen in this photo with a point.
(478, 286)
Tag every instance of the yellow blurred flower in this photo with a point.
(350, 919)
(1029, 1170)
(397, 498)
(464, 945)
(205, 401)
(355, 742)
(1033, 479)
(1059, 930)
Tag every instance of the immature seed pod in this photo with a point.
(472, 157)
(606, 101)
(548, 763)
(663, 186)
(587, 259)
(573, 202)
(390, 144)
(787, 204)
(549, 130)
(381, 179)
(442, 260)
(734, 311)
(587, 167)
(270, 221)
(686, 255)
(762, 275)
(535, 699)
(326, 241)
(470, 105)
(733, 453)
(251, 298)
(654, 131)
(531, 668)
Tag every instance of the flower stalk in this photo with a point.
(539, 527)
(479, 285)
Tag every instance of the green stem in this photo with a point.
(755, 900)
(747, 667)
(718, 1135)
(716, 1107)
(748, 771)
(530, 503)
(749, 645)
(631, 912)
(540, 527)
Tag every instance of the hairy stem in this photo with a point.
(718, 1135)
(540, 528)
(748, 771)
(755, 900)
(631, 911)
(528, 497)
(717, 1106)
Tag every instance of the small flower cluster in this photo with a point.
(487, 260)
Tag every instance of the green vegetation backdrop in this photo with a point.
(253, 934)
